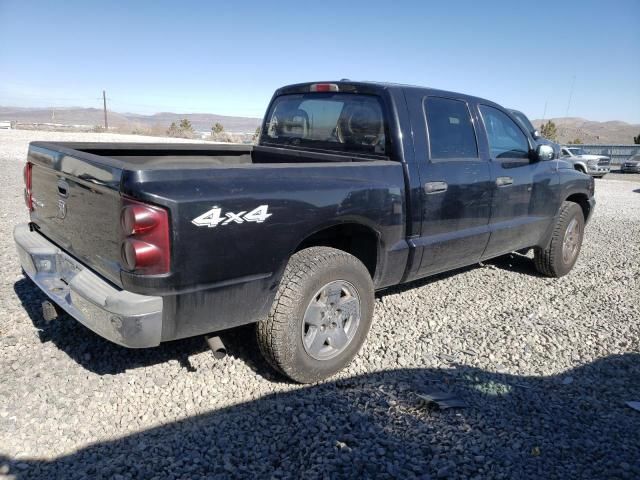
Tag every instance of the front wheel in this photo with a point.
(320, 316)
(566, 241)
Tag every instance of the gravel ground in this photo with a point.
(544, 368)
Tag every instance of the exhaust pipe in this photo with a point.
(216, 346)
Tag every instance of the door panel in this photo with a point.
(523, 188)
(457, 184)
(455, 222)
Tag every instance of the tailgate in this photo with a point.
(76, 204)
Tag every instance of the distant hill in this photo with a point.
(568, 128)
(95, 116)
(587, 131)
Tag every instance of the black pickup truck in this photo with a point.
(353, 187)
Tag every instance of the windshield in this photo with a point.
(577, 151)
(524, 121)
(327, 121)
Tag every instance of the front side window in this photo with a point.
(451, 133)
(506, 140)
(340, 122)
(577, 151)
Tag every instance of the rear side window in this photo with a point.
(506, 140)
(451, 133)
(342, 122)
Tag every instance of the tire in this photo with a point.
(580, 169)
(291, 338)
(555, 260)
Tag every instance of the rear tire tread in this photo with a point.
(271, 332)
(546, 260)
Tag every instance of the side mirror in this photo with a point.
(536, 134)
(544, 152)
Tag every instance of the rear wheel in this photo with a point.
(320, 317)
(566, 241)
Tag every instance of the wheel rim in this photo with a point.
(571, 241)
(331, 320)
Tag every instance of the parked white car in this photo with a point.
(594, 165)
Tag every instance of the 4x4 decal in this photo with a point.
(214, 217)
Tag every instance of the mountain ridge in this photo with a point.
(592, 132)
(95, 117)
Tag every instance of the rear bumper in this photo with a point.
(125, 318)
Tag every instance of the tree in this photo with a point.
(183, 130)
(636, 140)
(186, 127)
(217, 128)
(256, 135)
(173, 130)
(576, 141)
(548, 130)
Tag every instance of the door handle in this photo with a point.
(435, 187)
(504, 181)
(63, 188)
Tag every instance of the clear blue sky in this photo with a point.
(228, 57)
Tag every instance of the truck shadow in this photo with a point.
(572, 425)
(81, 344)
(512, 262)
(92, 351)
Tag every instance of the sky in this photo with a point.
(546, 58)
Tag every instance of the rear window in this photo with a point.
(339, 122)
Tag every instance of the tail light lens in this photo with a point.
(145, 246)
(28, 196)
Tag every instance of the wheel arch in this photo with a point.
(581, 167)
(359, 240)
(582, 200)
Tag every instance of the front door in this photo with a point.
(456, 182)
(524, 186)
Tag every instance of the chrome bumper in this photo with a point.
(598, 169)
(125, 318)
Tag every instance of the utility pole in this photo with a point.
(573, 81)
(104, 103)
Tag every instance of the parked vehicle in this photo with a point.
(594, 165)
(353, 187)
(528, 126)
(632, 165)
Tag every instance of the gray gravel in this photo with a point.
(543, 366)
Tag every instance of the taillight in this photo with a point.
(145, 246)
(28, 196)
(323, 87)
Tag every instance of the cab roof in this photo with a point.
(371, 87)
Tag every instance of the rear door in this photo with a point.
(524, 197)
(456, 184)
